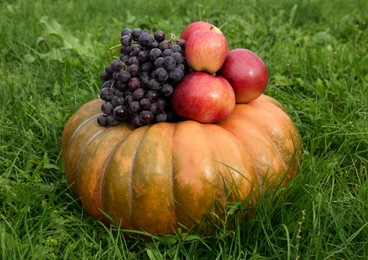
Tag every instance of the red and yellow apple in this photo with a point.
(246, 72)
(203, 97)
(206, 51)
(199, 25)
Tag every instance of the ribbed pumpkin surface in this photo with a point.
(157, 176)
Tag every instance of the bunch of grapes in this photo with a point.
(137, 87)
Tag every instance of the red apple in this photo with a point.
(247, 74)
(206, 51)
(192, 27)
(203, 97)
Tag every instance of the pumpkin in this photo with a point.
(164, 176)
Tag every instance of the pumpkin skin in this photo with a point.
(164, 176)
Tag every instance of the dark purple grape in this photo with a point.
(161, 75)
(176, 48)
(146, 40)
(133, 60)
(102, 120)
(124, 76)
(161, 117)
(169, 63)
(116, 65)
(154, 44)
(145, 103)
(120, 93)
(106, 94)
(134, 106)
(176, 75)
(134, 83)
(134, 70)
(111, 120)
(126, 40)
(181, 66)
(154, 108)
(135, 33)
(155, 53)
(138, 94)
(154, 84)
(136, 48)
(177, 57)
(128, 99)
(145, 78)
(126, 31)
(136, 121)
(167, 52)
(107, 83)
(159, 62)
(105, 76)
(167, 90)
(120, 113)
(181, 43)
(164, 45)
(125, 58)
(161, 103)
(107, 108)
(159, 36)
(117, 101)
(146, 117)
(152, 95)
(143, 56)
(109, 70)
(147, 66)
(121, 86)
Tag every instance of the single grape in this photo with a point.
(111, 120)
(107, 108)
(107, 83)
(125, 58)
(126, 40)
(169, 63)
(135, 33)
(105, 76)
(124, 76)
(116, 65)
(159, 36)
(152, 95)
(161, 75)
(159, 62)
(106, 94)
(167, 90)
(117, 101)
(134, 106)
(136, 121)
(181, 43)
(145, 103)
(138, 94)
(134, 83)
(161, 117)
(176, 75)
(146, 40)
(134, 70)
(120, 112)
(133, 60)
(176, 48)
(145, 78)
(181, 66)
(164, 45)
(109, 70)
(136, 48)
(147, 66)
(143, 56)
(128, 99)
(146, 117)
(167, 52)
(154, 84)
(121, 86)
(126, 31)
(161, 103)
(102, 120)
(154, 44)
(155, 53)
(154, 108)
(177, 57)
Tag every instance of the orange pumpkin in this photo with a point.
(164, 176)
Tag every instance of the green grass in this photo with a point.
(316, 52)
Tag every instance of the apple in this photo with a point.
(246, 72)
(199, 25)
(203, 97)
(206, 51)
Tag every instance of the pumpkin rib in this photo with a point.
(131, 192)
(104, 167)
(173, 175)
